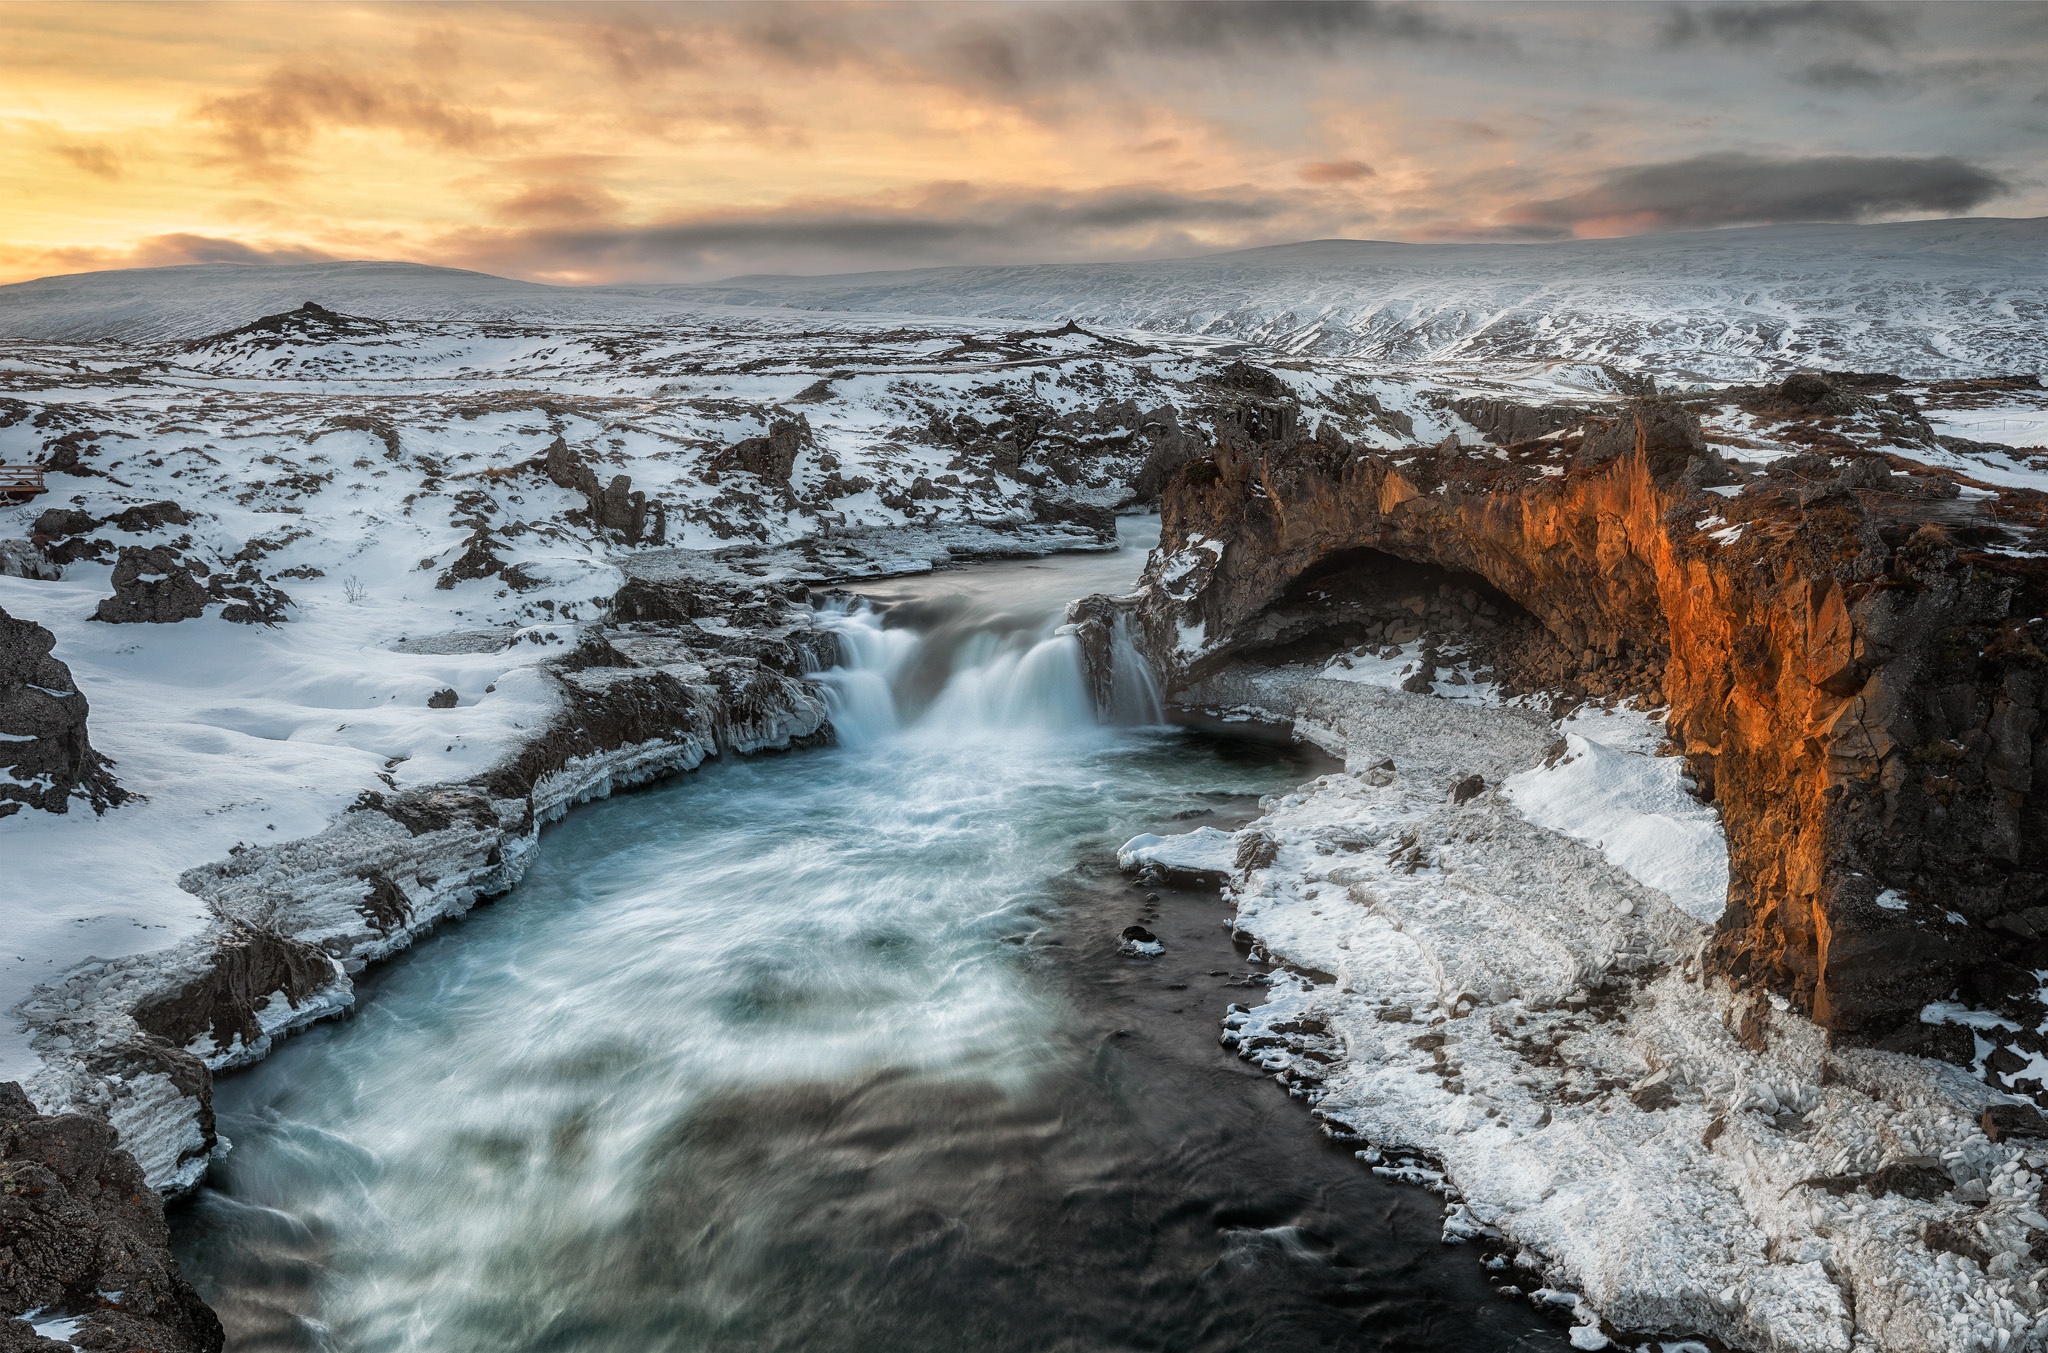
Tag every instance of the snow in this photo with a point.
(1203, 851)
(1516, 1018)
(1634, 807)
(1393, 664)
(2009, 425)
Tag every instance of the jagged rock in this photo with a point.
(153, 585)
(771, 459)
(616, 506)
(250, 967)
(1092, 622)
(445, 698)
(1861, 694)
(21, 559)
(1505, 421)
(45, 758)
(78, 1222)
(1169, 446)
(1252, 380)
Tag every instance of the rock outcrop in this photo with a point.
(153, 585)
(82, 1235)
(45, 757)
(616, 506)
(1857, 686)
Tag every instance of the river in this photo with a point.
(837, 1051)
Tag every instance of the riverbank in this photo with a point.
(1511, 1014)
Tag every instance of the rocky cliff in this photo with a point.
(45, 757)
(1848, 640)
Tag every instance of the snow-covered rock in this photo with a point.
(1520, 1019)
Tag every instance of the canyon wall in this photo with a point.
(1857, 686)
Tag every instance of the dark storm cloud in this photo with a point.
(1849, 75)
(1753, 25)
(944, 224)
(1725, 190)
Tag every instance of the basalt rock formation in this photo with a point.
(82, 1233)
(1852, 677)
(45, 758)
(616, 506)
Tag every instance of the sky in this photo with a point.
(622, 142)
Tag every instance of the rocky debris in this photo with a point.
(82, 1234)
(445, 698)
(45, 757)
(21, 559)
(155, 585)
(1858, 690)
(247, 597)
(616, 506)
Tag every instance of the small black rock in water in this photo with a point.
(1137, 934)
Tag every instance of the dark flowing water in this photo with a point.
(836, 1051)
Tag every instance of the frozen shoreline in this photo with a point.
(1472, 992)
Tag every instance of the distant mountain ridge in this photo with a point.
(1923, 298)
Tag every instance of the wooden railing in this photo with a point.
(19, 483)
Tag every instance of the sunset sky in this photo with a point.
(599, 142)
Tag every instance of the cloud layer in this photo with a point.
(1738, 189)
(675, 142)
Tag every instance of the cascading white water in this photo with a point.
(995, 685)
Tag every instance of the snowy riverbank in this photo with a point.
(1515, 1014)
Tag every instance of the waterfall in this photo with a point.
(996, 672)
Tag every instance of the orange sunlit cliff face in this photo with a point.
(679, 142)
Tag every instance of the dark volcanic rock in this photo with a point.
(78, 1225)
(1863, 695)
(43, 748)
(152, 585)
(771, 459)
(616, 506)
(310, 323)
(150, 517)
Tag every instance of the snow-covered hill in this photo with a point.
(1927, 299)
(1922, 298)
